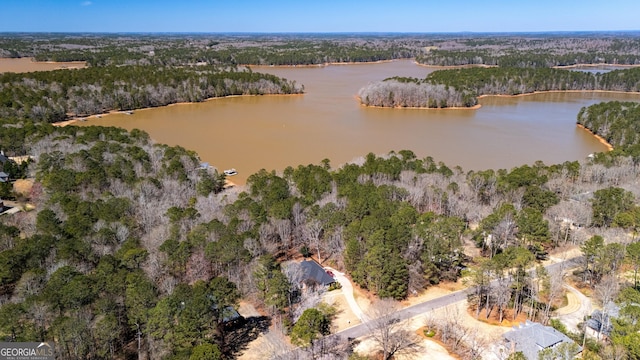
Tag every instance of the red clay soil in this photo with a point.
(507, 317)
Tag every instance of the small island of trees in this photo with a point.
(462, 87)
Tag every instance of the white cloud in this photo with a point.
(86, 3)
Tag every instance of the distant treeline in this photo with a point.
(460, 87)
(55, 95)
(307, 54)
(135, 251)
(103, 50)
(516, 50)
(297, 53)
(534, 51)
(523, 59)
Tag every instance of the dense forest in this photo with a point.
(214, 49)
(514, 50)
(130, 236)
(534, 50)
(461, 87)
(617, 122)
(52, 96)
(132, 249)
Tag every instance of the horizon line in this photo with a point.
(327, 32)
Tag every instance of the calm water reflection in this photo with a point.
(272, 132)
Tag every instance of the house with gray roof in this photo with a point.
(600, 324)
(530, 338)
(315, 274)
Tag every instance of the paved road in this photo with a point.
(412, 311)
(427, 306)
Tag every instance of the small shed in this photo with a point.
(4, 177)
(314, 273)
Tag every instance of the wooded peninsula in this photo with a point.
(462, 87)
(124, 248)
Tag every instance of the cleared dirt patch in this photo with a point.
(345, 318)
(494, 318)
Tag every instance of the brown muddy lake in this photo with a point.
(22, 65)
(273, 132)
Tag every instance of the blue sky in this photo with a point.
(317, 16)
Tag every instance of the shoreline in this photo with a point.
(478, 106)
(474, 107)
(560, 91)
(576, 66)
(446, 67)
(228, 184)
(321, 65)
(73, 120)
(76, 119)
(33, 60)
(602, 140)
(466, 66)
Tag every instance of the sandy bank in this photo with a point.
(65, 123)
(600, 138)
(229, 184)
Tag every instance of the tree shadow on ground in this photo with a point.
(241, 333)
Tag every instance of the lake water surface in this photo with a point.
(273, 132)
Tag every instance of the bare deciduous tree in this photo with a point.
(388, 331)
(605, 292)
(312, 230)
(464, 341)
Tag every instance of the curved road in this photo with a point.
(454, 297)
(421, 308)
(574, 318)
(347, 290)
